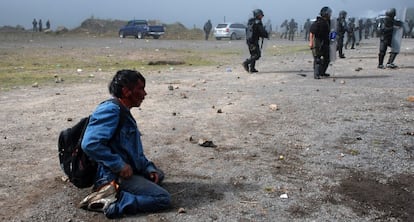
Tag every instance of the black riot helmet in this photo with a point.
(257, 12)
(342, 14)
(390, 12)
(326, 12)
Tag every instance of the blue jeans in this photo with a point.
(138, 194)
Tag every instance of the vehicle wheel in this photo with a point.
(233, 36)
(121, 35)
(139, 35)
(156, 36)
(218, 38)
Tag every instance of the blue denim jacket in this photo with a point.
(112, 148)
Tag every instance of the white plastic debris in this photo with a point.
(284, 196)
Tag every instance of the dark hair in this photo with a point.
(124, 78)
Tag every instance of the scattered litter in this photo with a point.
(284, 196)
(219, 111)
(35, 85)
(281, 157)
(91, 76)
(358, 69)
(342, 81)
(410, 99)
(64, 178)
(273, 107)
(183, 95)
(170, 87)
(206, 143)
(79, 70)
(410, 133)
(249, 202)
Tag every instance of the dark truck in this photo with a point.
(140, 29)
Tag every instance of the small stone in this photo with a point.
(181, 210)
(64, 178)
(273, 107)
(410, 99)
(170, 87)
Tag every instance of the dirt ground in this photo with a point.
(289, 148)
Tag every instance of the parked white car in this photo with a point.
(232, 31)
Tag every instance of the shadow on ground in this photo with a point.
(393, 196)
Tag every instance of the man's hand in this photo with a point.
(126, 172)
(154, 177)
(311, 44)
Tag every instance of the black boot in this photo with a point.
(316, 68)
(252, 65)
(381, 60)
(245, 65)
(341, 54)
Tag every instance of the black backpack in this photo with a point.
(249, 30)
(79, 168)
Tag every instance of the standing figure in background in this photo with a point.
(341, 28)
(360, 28)
(268, 27)
(284, 29)
(368, 26)
(40, 25)
(306, 28)
(292, 29)
(207, 29)
(351, 34)
(34, 23)
(47, 24)
(319, 42)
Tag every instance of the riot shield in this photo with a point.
(333, 40)
(398, 32)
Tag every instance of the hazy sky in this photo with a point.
(70, 13)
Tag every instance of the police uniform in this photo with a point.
(386, 33)
(341, 29)
(254, 31)
(320, 30)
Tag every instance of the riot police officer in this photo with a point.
(351, 34)
(254, 31)
(319, 42)
(341, 29)
(386, 34)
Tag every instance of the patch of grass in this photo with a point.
(287, 49)
(23, 67)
